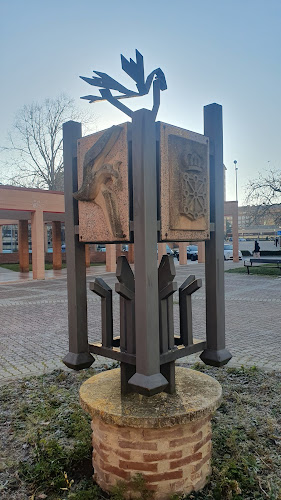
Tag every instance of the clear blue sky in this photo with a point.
(224, 51)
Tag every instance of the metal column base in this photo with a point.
(78, 361)
(168, 371)
(215, 358)
(148, 385)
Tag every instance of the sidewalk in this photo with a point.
(7, 276)
(34, 331)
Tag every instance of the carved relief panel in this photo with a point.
(184, 185)
(103, 194)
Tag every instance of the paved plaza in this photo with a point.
(34, 336)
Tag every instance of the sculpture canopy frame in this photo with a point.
(147, 347)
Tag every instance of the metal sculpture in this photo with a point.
(148, 346)
(136, 71)
(172, 346)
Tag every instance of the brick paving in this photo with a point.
(33, 320)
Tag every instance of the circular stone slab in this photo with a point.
(197, 395)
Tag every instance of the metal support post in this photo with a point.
(126, 289)
(104, 291)
(215, 354)
(189, 286)
(78, 356)
(148, 379)
(167, 287)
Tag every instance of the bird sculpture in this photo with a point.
(135, 70)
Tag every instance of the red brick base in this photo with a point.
(166, 437)
(171, 459)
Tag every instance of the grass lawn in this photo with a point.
(48, 266)
(16, 267)
(261, 270)
(45, 452)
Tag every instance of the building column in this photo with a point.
(182, 253)
(46, 238)
(1, 240)
(110, 258)
(23, 246)
(87, 255)
(131, 253)
(119, 251)
(201, 252)
(37, 238)
(235, 239)
(162, 250)
(56, 237)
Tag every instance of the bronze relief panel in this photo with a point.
(184, 185)
(103, 194)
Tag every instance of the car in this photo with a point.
(192, 252)
(228, 252)
(169, 251)
(176, 253)
(101, 248)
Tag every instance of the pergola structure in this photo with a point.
(23, 205)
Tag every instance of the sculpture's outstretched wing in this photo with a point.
(106, 82)
(136, 71)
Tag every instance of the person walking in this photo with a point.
(257, 250)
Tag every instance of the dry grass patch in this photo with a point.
(46, 439)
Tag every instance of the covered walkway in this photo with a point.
(36, 206)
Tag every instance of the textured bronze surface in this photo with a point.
(184, 185)
(103, 186)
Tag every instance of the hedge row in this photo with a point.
(264, 253)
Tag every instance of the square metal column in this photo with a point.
(216, 354)
(148, 378)
(78, 356)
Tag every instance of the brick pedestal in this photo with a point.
(166, 438)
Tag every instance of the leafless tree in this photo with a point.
(33, 156)
(264, 194)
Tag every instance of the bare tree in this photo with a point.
(34, 151)
(264, 194)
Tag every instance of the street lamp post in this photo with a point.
(236, 169)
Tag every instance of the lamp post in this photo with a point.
(236, 169)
